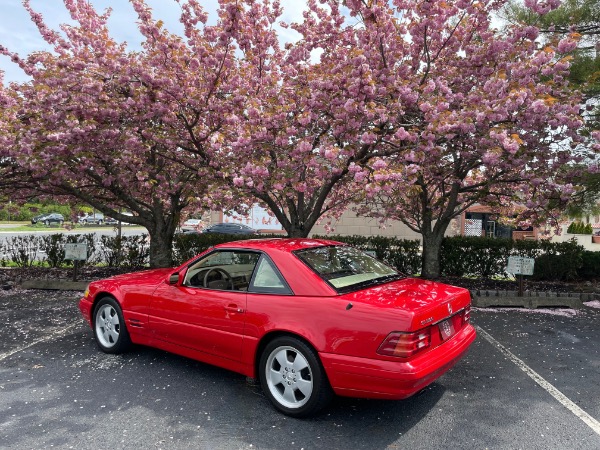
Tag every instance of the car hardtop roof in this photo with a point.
(281, 244)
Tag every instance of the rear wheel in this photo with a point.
(293, 378)
(110, 331)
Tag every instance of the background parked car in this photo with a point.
(48, 219)
(230, 228)
(97, 218)
(111, 221)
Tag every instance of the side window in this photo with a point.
(267, 279)
(227, 270)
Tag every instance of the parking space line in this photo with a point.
(58, 333)
(562, 398)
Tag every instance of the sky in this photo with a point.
(20, 35)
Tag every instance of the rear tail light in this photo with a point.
(467, 314)
(405, 345)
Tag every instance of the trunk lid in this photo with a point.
(425, 302)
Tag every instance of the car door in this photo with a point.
(206, 311)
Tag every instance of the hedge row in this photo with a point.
(487, 257)
(49, 250)
(460, 256)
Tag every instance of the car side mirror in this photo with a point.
(173, 279)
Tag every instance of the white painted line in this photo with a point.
(58, 333)
(562, 398)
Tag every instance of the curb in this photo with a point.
(56, 285)
(532, 299)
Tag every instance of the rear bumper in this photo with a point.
(373, 378)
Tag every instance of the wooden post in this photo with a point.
(520, 285)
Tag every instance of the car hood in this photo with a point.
(146, 277)
(425, 301)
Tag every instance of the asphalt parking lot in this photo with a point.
(531, 380)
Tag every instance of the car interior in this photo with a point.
(236, 271)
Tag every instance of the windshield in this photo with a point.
(346, 268)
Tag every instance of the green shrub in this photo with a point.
(124, 251)
(25, 212)
(136, 250)
(578, 227)
(590, 266)
(474, 256)
(560, 261)
(452, 257)
(54, 246)
(22, 250)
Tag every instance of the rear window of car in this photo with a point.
(346, 268)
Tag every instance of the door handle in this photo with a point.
(234, 309)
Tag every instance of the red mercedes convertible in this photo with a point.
(309, 318)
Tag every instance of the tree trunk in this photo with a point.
(161, 232)
(432, 245)
(161, 250)
(297, 232)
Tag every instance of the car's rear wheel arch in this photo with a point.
(267, 338)
(298, 386)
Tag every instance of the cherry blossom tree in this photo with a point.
(308, 124)
(483, 117)
(107, 126)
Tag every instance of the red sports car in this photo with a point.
(309, 318)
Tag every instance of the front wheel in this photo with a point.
(293, 378)
(110, 331)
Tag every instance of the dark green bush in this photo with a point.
(474, 256)
(590, 266)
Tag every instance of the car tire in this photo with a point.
(293, 378)
(47, 223)
(110, 331)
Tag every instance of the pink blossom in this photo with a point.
(566, 45)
